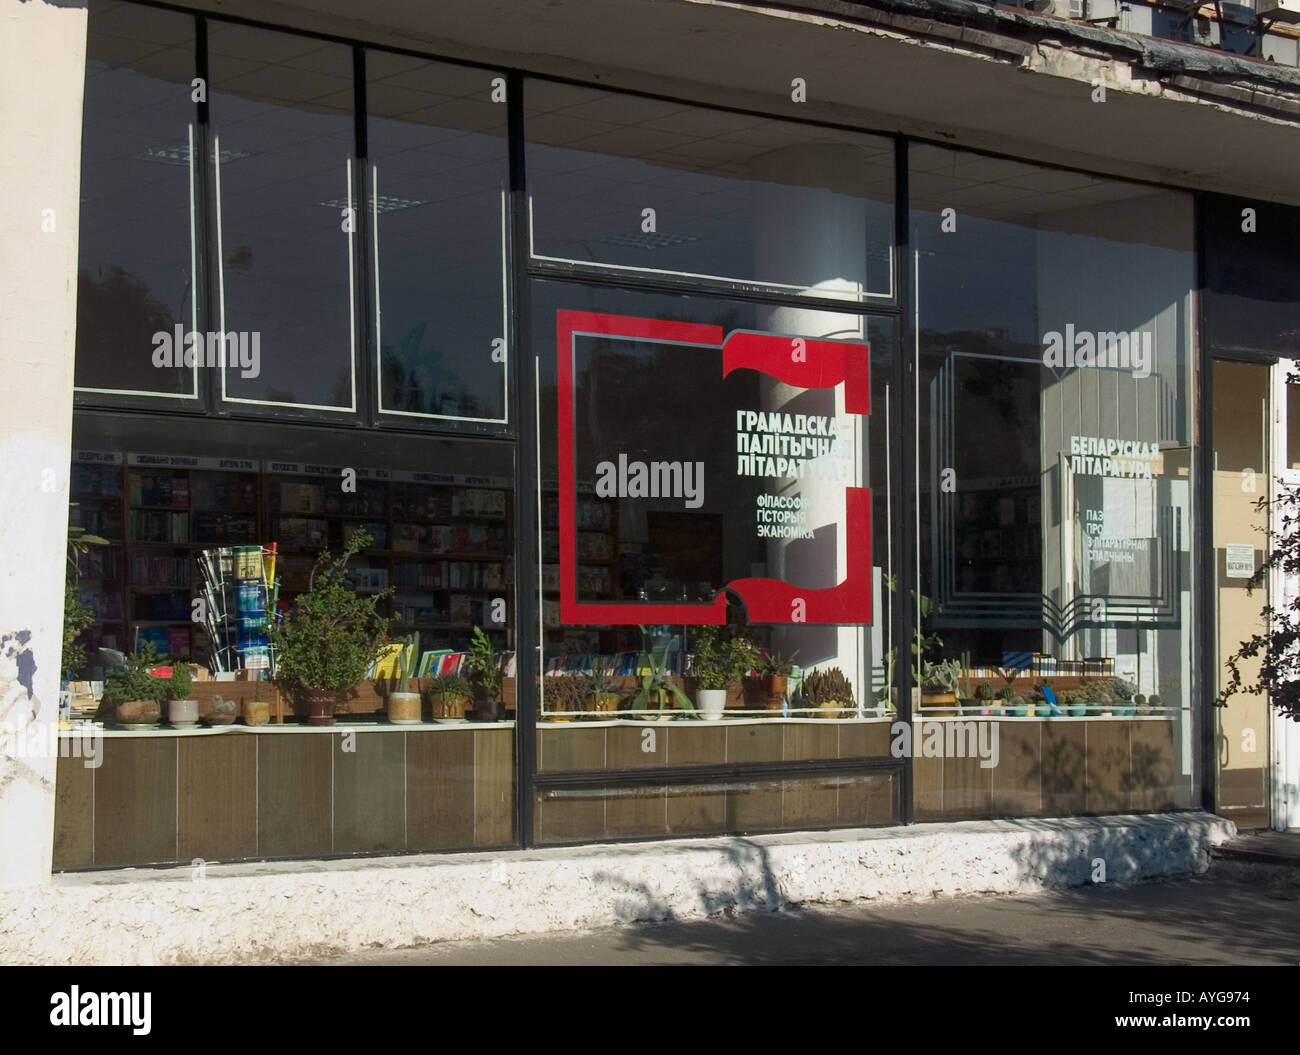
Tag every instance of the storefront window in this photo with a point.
(660, 187)
(194, 520)
(287, 184)
(1054, 485)
(136, 266)
(715, 501)
(437, 145)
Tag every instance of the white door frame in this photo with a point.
(1284, 763)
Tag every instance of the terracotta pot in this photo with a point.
(320, 706)
(774, 687)
(449, 708)
(139, 712)
(404, 708)
(257, 712)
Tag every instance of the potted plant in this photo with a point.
(1153, 705)
(332, 635)
(986, 694)
(775, 671)
(481, 660)
(829, 693)
(257, 711)
(132, 693)
(656, 693)
(449, 697)
(403, 704)
(939, 683)
(718, 665)
(182, 710)
(565, 696)
(600, 690)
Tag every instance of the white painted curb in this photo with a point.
(269, 911)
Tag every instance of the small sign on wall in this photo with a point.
(1240, 560)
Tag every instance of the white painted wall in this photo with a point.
(42, 67)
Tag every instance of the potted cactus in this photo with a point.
(566, 696)
(403, 704)
(985, 695)
(829, 693)
(257, 711)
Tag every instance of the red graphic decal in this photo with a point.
(802, 362)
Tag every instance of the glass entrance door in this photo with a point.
(1241, 476)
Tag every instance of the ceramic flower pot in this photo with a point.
(183, 714)
(320, 706)
(404, 708)
(774, 689)
(712, 702)
(449, 708)
(139, 713)
(602, 702)
(257, 712)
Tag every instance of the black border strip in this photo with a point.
(522, 408)
(739, 771)
(903, 469)
(1204, 663)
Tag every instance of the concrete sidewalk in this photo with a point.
(1233, 915)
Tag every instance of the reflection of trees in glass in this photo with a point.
(421, 382)
(116, 320)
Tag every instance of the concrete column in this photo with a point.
(42, 71)
(822, 245)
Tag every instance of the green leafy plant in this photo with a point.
(449, 687)
(332, 635)
(76, 615)
(776, 665)
(719, 663)
(133, 680)
(601, 681)
(482, 661)
(654, 688)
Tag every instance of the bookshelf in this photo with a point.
(442, 540)
(596, 541)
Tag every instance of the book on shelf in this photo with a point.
(429, 660)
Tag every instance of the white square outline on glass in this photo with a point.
(505, 323)
(194, 311)
(352, 302)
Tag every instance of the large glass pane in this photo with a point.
(657, 186)
(437, 775)
(135, 276)
(281, 110)
(1054, 486)
(715, 498)
(437, 144)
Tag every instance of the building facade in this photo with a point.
(939, 350)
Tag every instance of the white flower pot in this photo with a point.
(183, 714)
(712, 703)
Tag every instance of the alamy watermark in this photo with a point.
(946, 739)
(1105, 349)
(184, 350)
(36, 739)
